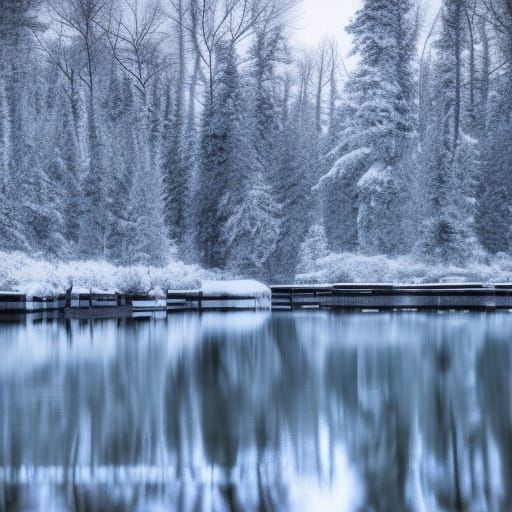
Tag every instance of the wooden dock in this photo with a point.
(87, 303)
(343, 297)
(391, 297)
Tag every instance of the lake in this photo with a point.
(305, 411)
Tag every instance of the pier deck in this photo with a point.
(344, 297)
(414, 297)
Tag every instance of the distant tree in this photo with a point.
(220, 161)
(314, 247)
(177, 173)
(120, 119)
(296, 172)
(494, 115)
(18, 20)
(450, 152)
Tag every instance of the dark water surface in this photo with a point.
(258, 412)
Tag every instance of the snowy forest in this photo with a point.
(133, 131)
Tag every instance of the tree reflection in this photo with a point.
(494, 387)
(255, 413)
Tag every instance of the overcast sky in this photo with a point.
(317, 19)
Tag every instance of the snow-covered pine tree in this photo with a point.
(177, 179)
(218, 189)
(493, 209)
(53, 150)
(94, 216)
(148, 242)
(12, 231)
(253, 228)
(339, 198)
(121, 120)
(68, 154)
(266, 53)
(156, 101)
(17, 67)
(494, 183)
(315, 246)
(4, 130)
(449, 152)
(296, 172)
(251, 231)
(176, 172)
(379, 121)
(336, 209)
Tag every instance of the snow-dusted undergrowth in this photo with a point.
(38, 277)
(347, 267)
(19, 272)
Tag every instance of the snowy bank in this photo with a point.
(19, 272)
(236, 288)
(350, 268)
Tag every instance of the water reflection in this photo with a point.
(252, 412)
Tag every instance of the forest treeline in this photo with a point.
(130, 130)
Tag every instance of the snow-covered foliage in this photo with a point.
(349, 267)
(123, 144)
(235, 288)
(39, 277)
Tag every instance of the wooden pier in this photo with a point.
(88, 303)
(83, 303)
(390, 297)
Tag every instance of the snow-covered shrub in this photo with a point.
(39, 277)
(134, 279)
(348, 267)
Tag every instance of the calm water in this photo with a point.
(253, 412)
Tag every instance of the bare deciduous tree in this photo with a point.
(80, 18)
(134, 31)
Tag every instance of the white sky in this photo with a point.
(317, 19)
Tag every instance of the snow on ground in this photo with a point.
(237, 288)
(350, 268)
(19, 272)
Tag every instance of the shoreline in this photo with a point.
(253, 296)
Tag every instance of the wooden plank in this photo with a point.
(430, 296)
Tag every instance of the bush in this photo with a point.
(348, 267)
(19, 272)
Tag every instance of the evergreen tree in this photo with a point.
(4, 131)
(314, 247)
(296, 175)
(121, 120)
(379, 116)
(266, 53)
(94, 216)
(494, 185)
(67, 154)
(148, 241)
(449, 234)
(17, 21)
(176, 171)
(219, 184)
